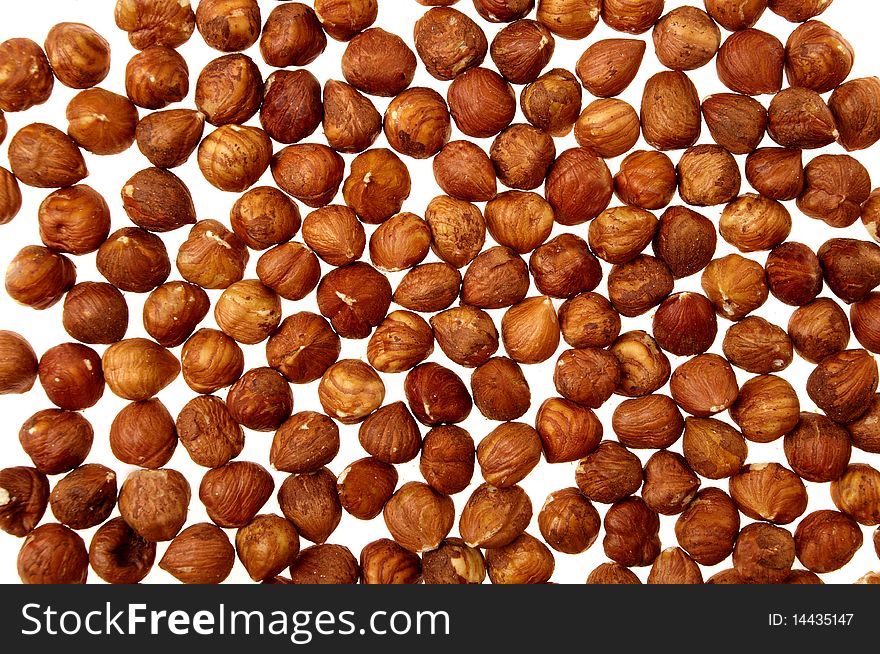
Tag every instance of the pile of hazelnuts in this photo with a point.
(464, 286)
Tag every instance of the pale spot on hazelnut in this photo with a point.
(460, 566)
(350, 301)
(128, 190)
(32, 431)
(5, 498)
(716, 409)
(57, 380)
(123, 239)
(87, 364)
(211, 235)
(757, 467)
(367, 178)
(343, 475)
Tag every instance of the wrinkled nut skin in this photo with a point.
(524, 561)
(168, 138)
(674, 566)
(736, 122)
(208, 432)
(620, 234)
(495, 279)
(827, 540)
(391, 434)
(764, 553)
(494, 517)
(365, 486)
(26, 493)
(158, 200)
(74, 220)
(685, 241)
(769, 491)
(609, 473)
(552, 102)
(305, 442)
(750, 62)
(818, 449)
(609, 66)
(263, 217)
(777, 173)
(45, 157)
(210, 360)
(568, 521)
(229, 25)
(248, 311)
(612, 573)
(836, 187)
(708, 175)
(713, 448)
(863, 316)
(292, 36)
(635, 287)
(310, 501)
(735, 15)
(377, 62)
(454, 562)
(155, 503)
(436, 395)
(351, 122)
(646, 179)
(235, 493)
(649, 422)
(200, 554)
(229, 90)
(589, 320)
(137, 368)
(708, 528)
(291, 109)
(508, 454)
(670, 483)
(343, 19)
(819, 329)
(569, 19)
(350, 390)
(686, 38)
(530, 330)
(56, 441)
(377, 185)
(85, 497)
(448, 42)
(851, 267)
(466, 335)
(399, 243)
(766, 409)
(817, 57)
(26, 78)
(18, 363)
(212, 256)
(799, 118)
(644, 368)
(133, 259)
(233, 157)
(334, 234)
(10, 193)
(794, 274)
(418, 517)
(631, 533)
(325, 564)
(428, 287)
(261, 399)
(385, 562)
(355, 299)
(632, 16)
(564, 267)
(71, 376)
(118, 555)
(503, 11)
(402, 341)
(53, 554)
(843, 384)
(798, 11)
(481, 102)
(670, 111)
(521, 50)
(155, 22)
(303, 347)
(568, 431)
(463, 170)
(736, 285)
(143, 434)
(587, 376)
(685, 324)
(173, 311)
(522, 154)
(156, 77)
(704, 385)
(447, 459)
(853, 106)
(609, 127)
(500, 389)
(102, 122)
(291, 269)
(758, 346)
(458, 230)
(857, 493)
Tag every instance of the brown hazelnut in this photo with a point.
(400, 242)
(325, 564)
(857, 493)
(152, 22)
(714, 449)
(817, 57)
(843, 384)
(620, 234)
(612, 573)
(496, 278)
(428, 287)
(378, 63)
(794, 274)
(633, 16)
(686, 38)
(209, 432)
(736, 122)
(291, 269)
(508, 454)
(229, 25)
(234, 157)
(391, 434)
(708, 175)
(708, 528)
(609, 127)
(735, 15)
(798, 11)
(758, 346)
(158, 200)
(45, 157)
(704, 385)
(155, 502)
(804, 577)
(305, 442)
(587, 376)
(303, 347)
(670, 111)
(458, 230)
(350, 390)
(173, 310)
(365, 486)
(565, 267)
(851, 267)
(750, 62)
(552, 102)
(263, 217)
(436, 395)
(670, 483)
(133, 259)
(448, 42)
(377, 185)
(102, 122)
(118, 555)
(354, 298)
(568, 431)
(799, 118)
(334, 234)
(85, 497)
(454, 563)
(447, 459)
(644, 368)
(522, 155)
(291, 108)
(10, 193)
(212, 256)
(27, 77)
(764, 553)
(524, 561)
(631, 533)
(652, 421)
(609, 66)
(261, 400)
(310, 501)
(819, 329)
(589, 320)
(853, 106)
(835, 188)
(776, 173)
(75, 220)
(402, 341)
(530, 330)
(568, 521)
(674, 566)
(292, 36)
(56, 441)
(685, 324)
(310, 172)
(817, 449)
(351, 122)
(466, 335)
(200, 554)
(766, 409)
(210, 360)
(143, 434)
(417, 123)
(503, 11)
(343, 19)
(26, 493)
(500, 389)
(871, 215)
(646, 179)
(138, 368)
(736, 286)
(481, 102)
(385, 562)
(80, 57)
(578, 187)
(233, 494)
(53, 554)
(609, 473)
(418, 517)
(863, 315)
(248, 311)
(18, 363)
(463, 170)
(168, 138)
(685, 241)
(638, 285)
(71, 376)
(569, 19)
(827, 540)
(769, 491)
(494, 517)
(156, 77)
(521, 50)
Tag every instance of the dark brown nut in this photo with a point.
(391, 434)
(417, 123)
(736, 286)
(764, 553)
(291, 108)
(26, 493)
(463, 170)
(351, 122)
(670, 483)
(633, 16)
(400, 242)
(708, 175)
(609, 127)
(852, 267)
(578, 187)
(138, 368)
(620, 234)
(758, 346)
(292, 36)
(686, 38)
(304, 443)
(235, 493)
(609, 66)
(79, 56)
(836, 186)
(530, 330)
(568, 431)
(685, 324)
(377, 185)
(378, 63)
(804, 577)
(552, 102)
(454, 562)
(853, 105)
(798, 11)
(685, 241)
(817, 449)
(45, 157)
(674, 566)
(857, 493)
(569, 522)
(612, 573)
(500, 389)
(229, 90)
(826, 541)
(750, 62)
(794, 274)
(172, 312)
(646, 179)
(522, 155)
(385, 562)
(428, 287)
(565, 267)
(708, 528)
(589, 320)
(503, 11)
(325, 564)
(458, 230)
(311, 503)
(303, 347)
(447, 459)
(843, 384)
(609, 473)
(263, 217)
(233, 157)
(53, 554)
(261, 400)
(365, 486)
(292, 270)
(494, 517)
(85, 497)
(229, 25)
(350, 390)
(768, 491)
(143, 434)
(735, 15)
(248, 311)
(102, 122)
(481, 102)
(10, 193)
(158, 200)
(521, 50)
(776, 173)
(631, 533)
(155, 502)
(209, 432)
(766, 409)
(27, 77)
(418, 517)
(448, 42)
(436, 395)
(211, 360)
(168, 138)
(819, 329)
(799, 118)
(704, 385)
(638, 285)
(652, 422)
(466, 335)
(56, 441)
(508, 454)
(75, 220)
(155, 22)
(355, 298)
(670, 111)
(736, 122)
(334, 234)
(496, 278)
(212, 256)
(524, 561)
(18, 363)
(817, 57)
(587, 376)
(343, 19)
(71, 376)
(118, 555)
(569, 19)
(713, 448)
(200, 554)
(156, 77)
(644, 368)
(863, 315)
(400, 342)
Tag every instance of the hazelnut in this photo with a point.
(154, 503)
(500, 389)
(292, 36)
(138, 368)
(851, 267)
(200, 554)
(776, 173)
(402, 341)
(53, 554)
(568, 521)
(291, 269)
(133, 259)
(817, 449)
(609, 473)
(798, 11)
(708, 528)
(644, 368)
(291, 108)
(569, 19)
(229, 25)
(646, 179)
(168, 138)
(365, 486)
(209, 432)
(578, 187)
(27, 78)
(635, 287)
(799, 118)
(685, 324)
(804, 577)
(10, 193)
(56, 441)
(857, 493)
(686, 38)
(400, 242)
(652, 422)
(817, 57)
(377, 185)
(552, 102)
(212, 256)
(351, 122)
(503, 11)
(685, 241)
(305, 442)
(325, 564)
(303, 347)
(173, 310)
(508, 454)
(819, 329)
(447, 459)
(418, 517)
(750, 62)
(385, 562)
(210, 360)
(428, 287)
(670, 483)
(71, 376)
(835, 188)
(334, 234)
(704, 385)
(522, 155)
(310, 172)
(481, 102)
(589, 320)
(496, 278)
(391, 434)
(758, 346)
(521, 50)
(730, 577)
(530, 330)
(708, 175)
(794, 274)
(233, 157)
(524, 561)
(568, 431)
(448, 42)
(674, 566)
(843, 384)
(343, 19)
(609, 66)
(454, 563)
(466, 335)
(620, 234)
(85, 497)
(609, 127)
(26, 493)
(74, 220)
(350, 390)
(713, 448)
(143, 434)
(234, 493)
(263, 217)
(18, 363)
(45, 157)
(736, 122)
(587, 376)
(156, 77)
(612, 573)
(436, 395)
(769, 491)
(310, 501)
(155, 22)
(463, 170)
(494, 517)
(827, 540)
(248, 311)
(565, 267)
(458, 230)
(378, 63)
(158, 200)
(863, 317)
(670, 111)
(79, 56)
(631, 533)
(118, 555)
(735, 15)
(852, 105)
(633, 16)
(736, 286)
(764, 553)
(766, 409)
(261, 400)
(354, 298)
(102, 122)
(417, 123)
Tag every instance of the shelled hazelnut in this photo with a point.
(503, 11)
(10, 193)
(233, 157)
(418, 517)
(234, 493)
(552, 102)
(18, 363)
(305, 442)
(351, 122)
(448, 42)
(777, 173)
(704, 385)
(27, 492)
(350, 390)
(466, 334)
(291, 269)
(799, 118)
(56, 441)
(158, 200)
(713, 448)
(609, 473)
(674, 566)
(428, 287)
(578, 187)
(133, 259)
(736, 285)
(670, 111)
(156, 77)
(390, 434)
(670, 483)
(71, 375)
(764, 553)
(632, 533)
(137, 368)
(212, 256)
(325, 564)
(736, 122)
(843, 384)
(310, 501)
(508, 453)
(229, 25)
(817, 57)
(612, 573)
(818, 449)
(569, 19)
(102, 122)
(45, 157)
(208, 432)
(852, 105)
(753, 223)
(494, 517)
(436, 395)
(530, 330)
(708, 175)
(835, 187)
(856, 493)
(686, 38)
(79, 56)
(751, 62)
(53, 554)
(385, 562)
(851, 267)
(377, 62)
(400, 342)
(632, 16)
(522, 154)
(652, 421)
(155, 503)
(495, 279)
(292, 36)
(708, 527)
(610, 127)
(639, 285)
(766, 409)
(27, 76)
(524, 561)
(143, 434)
(685, 324)
(819, 329)
(263, 217)
(500, 390)
(769, 491)
(564, 267)
(482, 103)
(568, 521)
(589, 320)
(118, 555)
(85, 497)
(646, 179)
(863, 319)
(151, 22)
(365, 486)
(794, 274)
(200, 554)
(568, 431)
(521, 50)
(454, 563)
(292, 108)
(447, 459)
(173, 311)
(587, 376)
(377, 185)
(609, 66)
(210, 360)
(798, 11)
(260, 400)
(354, 298)
(644, 368)
(735, 15)
(303, 347)
(342, 19)
(758, 346)
(417, 122)
(464, 171)
(334, 234)
(168, 138)
(827, 540)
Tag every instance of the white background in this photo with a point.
(857, 20)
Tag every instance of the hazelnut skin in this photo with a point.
(233, 494)
(27, 77)
(708, 528)
(685, 241)
(776, 173)
(210, 360)
(852, 105)
(713, 448)
(305, 442)
(355, 299)
(74, 220)
(292, 36)
(71, 376)
(200, 554)
(447, 459)
(137, 368)
(766, 409)
(863, 318)
(818, 449)
(377, 185)
(568, 521)
(736, 286)
(260, 400)
(365, 486)
(817, 57)
(377, 62)
(652, 422)
(736, 122)
(45, 157)
(156, 77)
(500, 389)
(436, 395)
(291, 269)
(522, 155)
(670, 111)
(102, 122)
(350, 390)
(704, 385)
(851, 267)
(143, 434)
(644, 368)
(151, 22)
(173, 311)
(85, 497)
(417, 123)
(449, 42)
(154, 503)
(303, 347)
(27, 493)
(208, 431)
(385, 562)
(402, 517)
(390, 434)
(53, 554)
(552, 102)
(494, 517)
(851, 186)
(168, 138)
(843, 384)
(521, 50)
(819, 329)
(233, 157)
(503, 11)
(482, 103)
(798, 11)
(609, 473)
(325, 564)
(799, 118)
(769, 491)
(685, 324)
(686, 38)
(568, 431)
(524, 561)
(753, 223)
(310, 501)
(133, 259)
(764, 553)
(569, 19)
(454, 562)
(794, 274)
(856, 493)
(212, 256)
(18, 363)
(827, 540)
(229, 25)
(56, 441)
(118, 555)
(508, 454)
(631, 533)
(291, 109)
(351, 122)
(463, 170)
(750, 62)
(400, 342)
(758, 346)
(609, 66)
